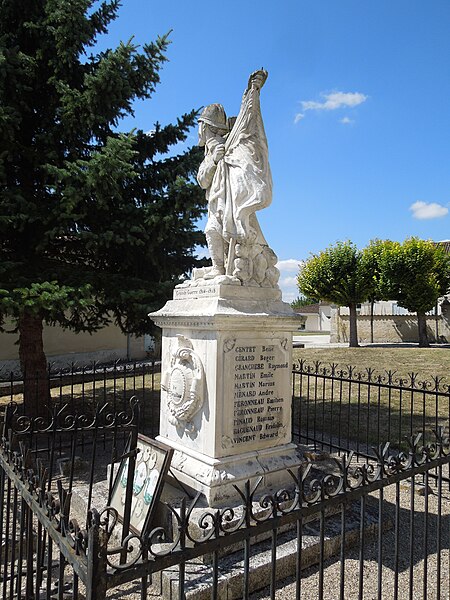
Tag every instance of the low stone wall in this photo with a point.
(388, 328)
(65, 347)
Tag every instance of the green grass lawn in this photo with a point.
(426, 362)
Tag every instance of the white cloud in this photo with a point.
(346, 121)
(335, 100)
(288, 281)
(431, 210)
(332, 101)
(289, 269)
(289, 296)
(290, 264)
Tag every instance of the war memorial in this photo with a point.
(227, 334)
(223, 502)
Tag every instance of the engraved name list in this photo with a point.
(259, 393)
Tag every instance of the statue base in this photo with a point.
(226, 388)
(217, 479)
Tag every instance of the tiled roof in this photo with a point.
(308, 309)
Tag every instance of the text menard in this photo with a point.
(258, 385)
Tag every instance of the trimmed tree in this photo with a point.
(415, 273)
(372, 259)
(340, 276)
(95, 225)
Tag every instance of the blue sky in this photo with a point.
(356, 108)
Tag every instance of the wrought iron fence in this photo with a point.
(82, 388)
(349, 530)
(45, 534)
(346, 528)
(334, 408)
(339, 409)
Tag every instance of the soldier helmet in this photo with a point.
(214, 115)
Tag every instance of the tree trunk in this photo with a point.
(33, 363)
(422, 328)
(353, 326)
(372, 304)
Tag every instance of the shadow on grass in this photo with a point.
(86, 399)
(360, 424)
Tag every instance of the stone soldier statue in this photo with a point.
(236, 176)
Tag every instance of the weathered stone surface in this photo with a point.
(241, 427)
(236, 177)
(227, 334)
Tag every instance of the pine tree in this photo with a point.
(94, 224)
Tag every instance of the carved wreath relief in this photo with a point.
(184, 385)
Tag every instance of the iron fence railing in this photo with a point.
(44, 534)
(334, 408)
(357, 524)
(377, 528)
(81, 389)
(339, 409)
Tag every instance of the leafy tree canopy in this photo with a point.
(93, 222)
(415, 273)
(302, 301)
(337, 275)
(372, 263)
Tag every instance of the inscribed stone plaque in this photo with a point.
(195, 292)
(256, 394)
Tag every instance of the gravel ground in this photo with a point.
(286, 589)
(310, 580)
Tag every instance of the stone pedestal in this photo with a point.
(226, 388)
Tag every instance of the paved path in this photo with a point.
(315, 341)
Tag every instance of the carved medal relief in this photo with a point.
(184, 385)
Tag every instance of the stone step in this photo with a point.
(198, 578)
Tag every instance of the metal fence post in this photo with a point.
(96, 564)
